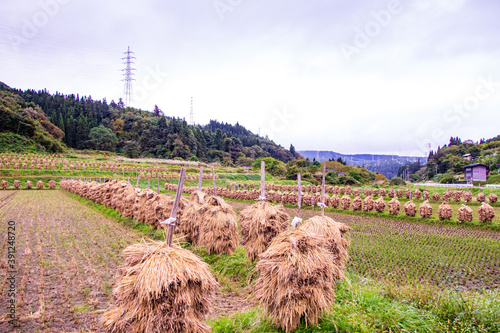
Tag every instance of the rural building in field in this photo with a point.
(475, 172)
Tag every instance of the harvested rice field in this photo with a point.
(67, 255)
(404, 252)
(65, 259)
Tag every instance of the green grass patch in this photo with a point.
(365, 306)
(233, 272)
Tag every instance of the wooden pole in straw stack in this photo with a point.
(200, 179)
(173, 215)
(158, 184)
(299, 195)
(262, 181)
(137, 184)
(213, 181)
(297, 220)
(323, 191)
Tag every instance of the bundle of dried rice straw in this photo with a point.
(334, 201)
(410, 208)
(486, 213)
(191, 220)
(260, 223)
(296, 279)
(345, 202)
(218, 228)
(426, 194)
(464, 214)
(160, 289)
(336, 240)
(380, 205)
(425, 209)
(368, 204)
(445, 211)
(357, 203)
(394, 206)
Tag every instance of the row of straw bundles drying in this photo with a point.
(17, 184)
(297, 274)
(308, 199)
(209, 222)
(143, 205)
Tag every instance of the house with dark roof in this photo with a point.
(475, 172)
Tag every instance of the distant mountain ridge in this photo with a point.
(387, 165)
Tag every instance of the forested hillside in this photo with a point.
(95, 124)
(24, 126)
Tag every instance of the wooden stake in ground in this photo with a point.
(158, 184)
(262, 197)
(297, 220)
(299, 195)
(323, 191)
(213, 181)
(200, 179)
(171, 221)
(138, 177)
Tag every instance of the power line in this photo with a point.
(128, 74)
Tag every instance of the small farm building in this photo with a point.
(475, 172)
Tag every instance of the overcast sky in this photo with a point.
(352, 76)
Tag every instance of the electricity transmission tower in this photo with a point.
(128, 76)
(191, 113)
